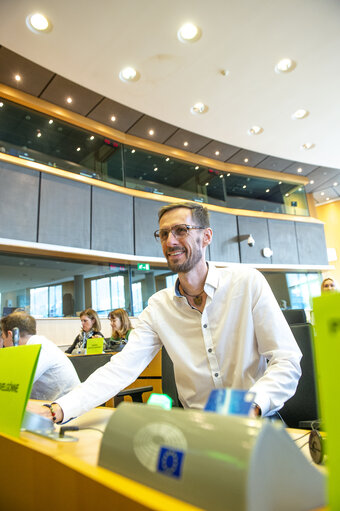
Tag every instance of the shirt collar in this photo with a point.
(211, 282)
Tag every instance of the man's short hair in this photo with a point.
(21, 320)
(200, 214)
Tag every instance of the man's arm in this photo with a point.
(277, 344)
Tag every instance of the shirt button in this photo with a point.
(209, 350)
(205, 326)
(216, 374)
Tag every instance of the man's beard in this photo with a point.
(190, 262)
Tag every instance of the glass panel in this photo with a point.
(295, 290)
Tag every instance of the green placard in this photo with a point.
(17, 368)
(327, 355)
(143, 266)
(94, 345)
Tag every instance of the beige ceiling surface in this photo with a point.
(92, 41)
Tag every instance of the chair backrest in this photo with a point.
(87, 364)
(295, 316)
(168, 378)
(303, 405)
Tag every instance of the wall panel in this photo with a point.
(146, 222)
(311, 243)
(258, 228)
(283, 242)
(224, 246)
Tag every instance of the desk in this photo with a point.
(40, 474)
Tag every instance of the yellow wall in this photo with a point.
(330, 215)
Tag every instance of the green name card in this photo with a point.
(94, 345)
(17, 368)
(327, 357)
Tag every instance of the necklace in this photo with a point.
(198, 298)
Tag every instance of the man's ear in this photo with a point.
(207, 236)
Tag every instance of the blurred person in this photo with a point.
(90, 327)
(55, 374)
(121, 328)
(329, 286)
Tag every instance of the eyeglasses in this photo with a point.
(179, 231)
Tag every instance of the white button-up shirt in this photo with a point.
(228, 345)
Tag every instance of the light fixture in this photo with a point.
(151, 132)
(268, 190)
(322, 193)
(113, 118)
(307, 146)
(311, 182)
(299, 170)
(335, 184)
(224, 72)
(206, 184)
(221, 176)
(50, 121)
(286, 194)
(185, 144)
(217, 153)
(228, 174)
(38, 134)
(255, 130)
(285, 65)
(199, 108)
(91, 137)
(244, 186)
(133, 151)
(280, 182)
(1, 104)
(167, 159)
(189, 33)
(38, 23)
(155, 169)
(78, 149)
(197, 167)
(17, 78)
(129, 74)
(246, 160)
(69, 100)
(300, 114)
(327, 198)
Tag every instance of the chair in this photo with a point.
(295, 316)
(302, 407)
(168, 379)
(87, 364)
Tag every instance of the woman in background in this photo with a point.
(121, 328)
(90, 327)
(328, 285)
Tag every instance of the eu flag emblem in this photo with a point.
(170, 462)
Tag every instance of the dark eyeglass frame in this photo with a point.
(173, 229)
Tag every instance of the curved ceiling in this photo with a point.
(90, 42)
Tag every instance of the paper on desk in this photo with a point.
(94, 345)
(17, 369)
(327, 355)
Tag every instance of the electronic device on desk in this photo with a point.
(42, 426)
(216, 462)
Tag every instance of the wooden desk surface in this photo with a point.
(39, 474)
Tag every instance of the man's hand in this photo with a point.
(40, 409)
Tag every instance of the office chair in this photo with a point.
(302, 407)
(87, 364)
(295, 316)
(168, 379)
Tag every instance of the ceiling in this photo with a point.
(90, 42)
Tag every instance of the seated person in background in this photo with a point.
(55, 374)
(90, 327)
(121, 328)
(329, 286)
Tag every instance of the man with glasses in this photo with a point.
(221, 327)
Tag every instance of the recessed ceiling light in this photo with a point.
(285, 66)
(268, 190)
(300, 189)
(91, 137)
(327, 198)
(199, 108)
(133, 151)
(217, 153)
(221, 176)
(155, 169)
(255, 130)
(69, 100)
(78, 149)
(129, 74)
(228, 174)
(185, 143)
(189, 33)
(287, 194)
(151, 132)
(50, 121)
(246, 160)
(311, 182)
(244, 186)
(307, 146)
(280, 182)
(38, 23)
(167, 159)
(17, 78)
(1, 104)
(197, 167)
(322, 193)
(38, 134)
(113, 118)
(224, 72)
(299, 170)
(335, 184)
(300, 114)
(206, 184)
